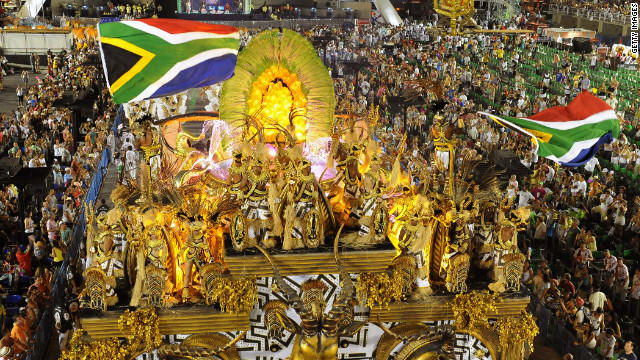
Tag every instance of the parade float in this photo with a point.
(284, 230)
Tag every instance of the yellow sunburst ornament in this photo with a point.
(280, 78)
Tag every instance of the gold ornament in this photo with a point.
(380, 288)
(233, 295)
(470, 309)
(141, 333)
(514, 331)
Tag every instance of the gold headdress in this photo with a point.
(260, 155)
(313, 295)
(196, 223)
(375, 159)
(304, 163)
(354, 153)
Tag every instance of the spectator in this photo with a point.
(20, 94)
(57, 254)
(627, 353)
(103, 208)
(588, 338)
(621, 282)
(597, 299)
(606, 343)
(634, 296)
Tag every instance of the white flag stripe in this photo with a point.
(178, 38)
(104, 62)
(575, 150)
(568, 125)
(494, 118)
(178, 67)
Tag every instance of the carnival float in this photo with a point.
(289, 227)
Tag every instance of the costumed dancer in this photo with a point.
(256, 209)
(352, 180)
(301, 199)
(197, 249)
(372, 226)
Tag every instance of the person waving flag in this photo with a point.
(568, 135)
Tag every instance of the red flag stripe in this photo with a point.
(175, 26)
(583, 106)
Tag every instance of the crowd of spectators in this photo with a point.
(35, 232)
(575, 210)
(594, 7)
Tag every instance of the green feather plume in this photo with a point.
(292, 51)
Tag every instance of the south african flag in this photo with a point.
(151, 58)
(568, 135)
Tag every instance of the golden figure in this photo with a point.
(506, 251)
(351, 178)
(157, 253)
(285, 160)
(318, 333)
(237, 176)
(197, 249)
(256, 209)
(304, 226)
(375, 217)
(402, 209)
(445, 142)
(104, 250)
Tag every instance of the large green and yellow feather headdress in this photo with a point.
(280, 76)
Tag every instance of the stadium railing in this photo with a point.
(555, 334)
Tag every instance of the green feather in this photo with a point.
(295, 53)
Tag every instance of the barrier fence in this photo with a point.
(555, 334)
(46, 326)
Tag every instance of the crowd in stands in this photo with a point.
(36, 232)
(586, 220)
(577, 211)
(598, 6)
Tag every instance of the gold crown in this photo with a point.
(197, 225)
(304, 163)
(312, 284)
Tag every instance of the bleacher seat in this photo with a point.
(13, 300)
(11, 311)
(24, 280)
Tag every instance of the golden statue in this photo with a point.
(318, 333)
(197, 250)
(453, 10)
(304, 226)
